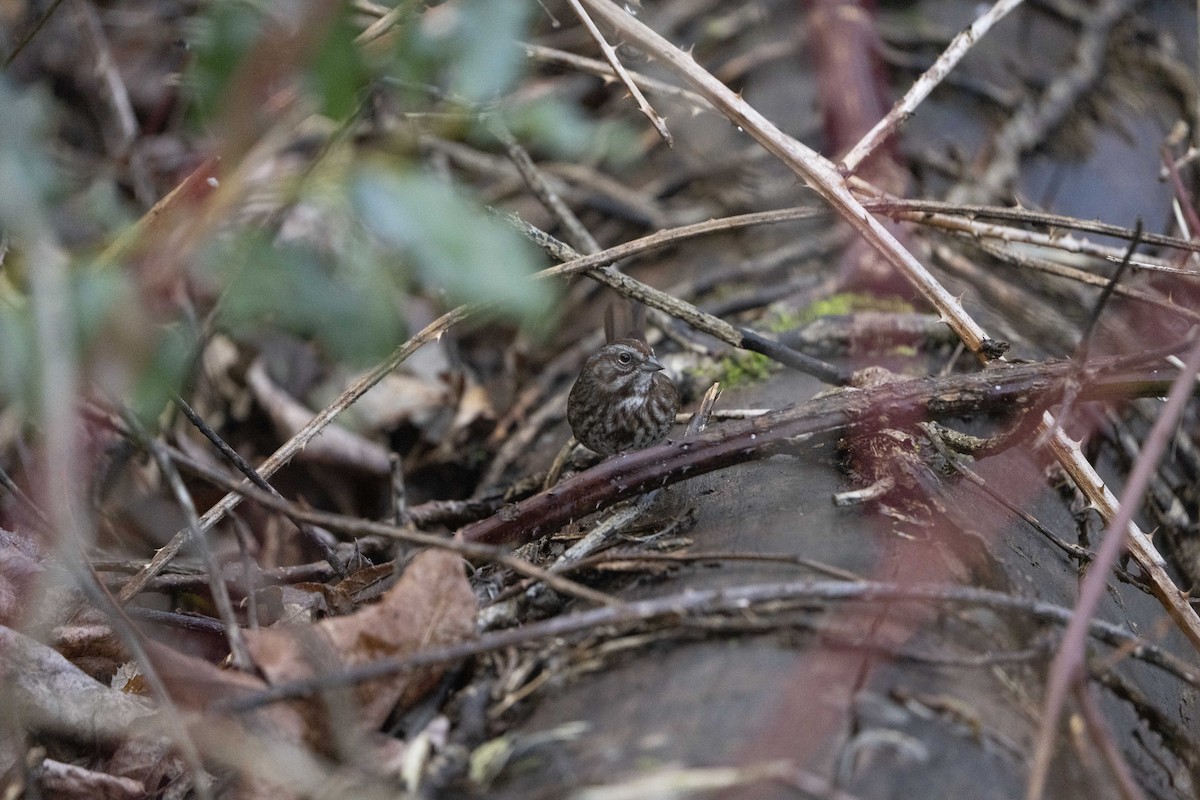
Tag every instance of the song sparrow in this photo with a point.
(621, 400)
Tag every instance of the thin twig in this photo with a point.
(550, 55)
(252, 474)
(579, 236)
(620, 555)
(216, 578)
(1024, 261)
(1089, 330)
(354, 526)
(384, 24)
(1085, 339)
(959, 46)
(610, 55)
(973, 229)
(37, 27)
(923, 210)
(736, 599)
(559, 463)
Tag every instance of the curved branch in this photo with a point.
(894, 404)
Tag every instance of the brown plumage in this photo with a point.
(621, 400)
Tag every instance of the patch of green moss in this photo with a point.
(739, 368)
(847, 303)
(782, 321)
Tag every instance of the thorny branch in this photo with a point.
(925, 85)
(1068, 666)
(891, 404)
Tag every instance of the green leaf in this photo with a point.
(486, 58)
(348, 305)
(468, 47)
(16, 353)
(221, 40)
(338, 73)
(451, 242)
(27, 178)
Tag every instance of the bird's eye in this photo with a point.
(624, 358)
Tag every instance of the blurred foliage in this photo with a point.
(27, 180)
(346, 302)
(467, 48)
(422, 232)
(131, 362)
(338, 74)
(27, 184)
(399, 229)
(219, 41)
(17, 356)
(453, 244)
(550, 126)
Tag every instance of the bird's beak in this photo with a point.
(652, 364)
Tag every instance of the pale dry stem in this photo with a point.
(610, 55)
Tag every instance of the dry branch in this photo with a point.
(916, 94)
(715, 601)
(900, 403)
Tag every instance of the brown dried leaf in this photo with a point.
(400, 398)
(292, 604)
(195, 684)
(335, 446)
(56, 779)
(53, 695)
(20, 567)
(432, 604)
